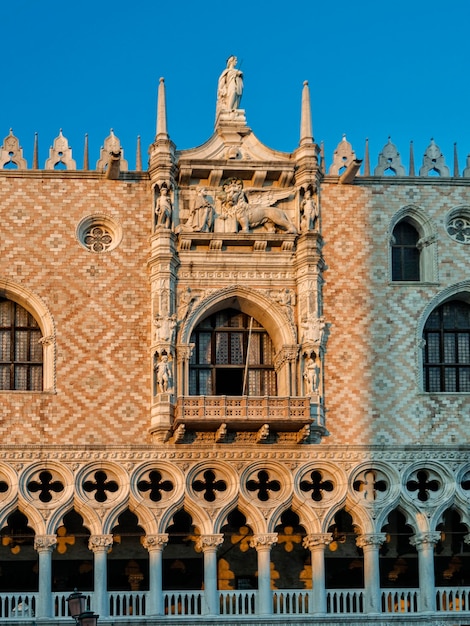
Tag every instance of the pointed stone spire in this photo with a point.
(456, 162)
(36, 153)
(306, 132)
(138, 156)
(162, 132)
(367, 160)
(85, 154)
(412, 160)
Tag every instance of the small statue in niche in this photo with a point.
(164, 374)
(163, 209)
(308, 212)
(311, 374)
(185, 300)
(165, 327)
(201, 218)
(230, 87)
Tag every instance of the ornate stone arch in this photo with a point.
(34, 305)
(460, 290)
(427, 241)
(277, 320)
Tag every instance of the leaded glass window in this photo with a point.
(447, 348)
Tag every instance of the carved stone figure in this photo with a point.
(311, 375)
(313, 329)
(309, 212)
(165, 328)
(163, 209)
(230, 87)
(256, 214)
(184, 303)
(164, 374)
(201, 218)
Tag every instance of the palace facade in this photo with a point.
(235, 385)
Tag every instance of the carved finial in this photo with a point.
(306, 132)
(412, 160)
(162, 132)
(366, 160)
(456, 162)
(138, 156)
(85, 154)
(35, 152)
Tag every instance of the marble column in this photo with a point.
(155, 545)
(316, 543)
(424, 543)
(44, 545)
(263, 544)
(100, 545)
(370, 544)
(209, 544)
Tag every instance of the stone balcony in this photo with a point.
(250, 413)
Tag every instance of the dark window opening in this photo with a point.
(233, 356)
(405, 253)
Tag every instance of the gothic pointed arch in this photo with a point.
(412, 237)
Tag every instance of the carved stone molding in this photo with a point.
(100, 543)
(45, 542)
(264, 541)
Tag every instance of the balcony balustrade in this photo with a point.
(132, 606)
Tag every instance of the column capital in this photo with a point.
(100, 543)
(45, 543)
(316, 540)
(370, 539)
(430, 537)
(155, 542)
(205, 542)
(467, 538)
(263, 541)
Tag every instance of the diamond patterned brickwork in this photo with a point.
(99, 304)
(372, 391)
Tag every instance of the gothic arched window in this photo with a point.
(447, 348)
(233, 356)
(21, 353)
(405, 252)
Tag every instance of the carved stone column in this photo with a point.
(370, 544)
(316, 543)
(44, 545)
(100, 545)
(263, 544)
(184, 351)
(155, 544)
(209, 544)
(424, 543)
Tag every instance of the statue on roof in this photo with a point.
(230, 87)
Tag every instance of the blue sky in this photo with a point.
(375, 69)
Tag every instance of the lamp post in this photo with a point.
(77, 608)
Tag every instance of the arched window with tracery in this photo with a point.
(447, 348)
(405, 252)
(233, 355)
(21, 352)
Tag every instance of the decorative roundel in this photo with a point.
(371, 486)
(424, 485)
(46, 486)
(100, 486)
(211, 484)
(458, 225)
(317, 485)
(464, 482)
(99, 233)
(265, 483)
(157, 484)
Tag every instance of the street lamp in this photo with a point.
(77, 608)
